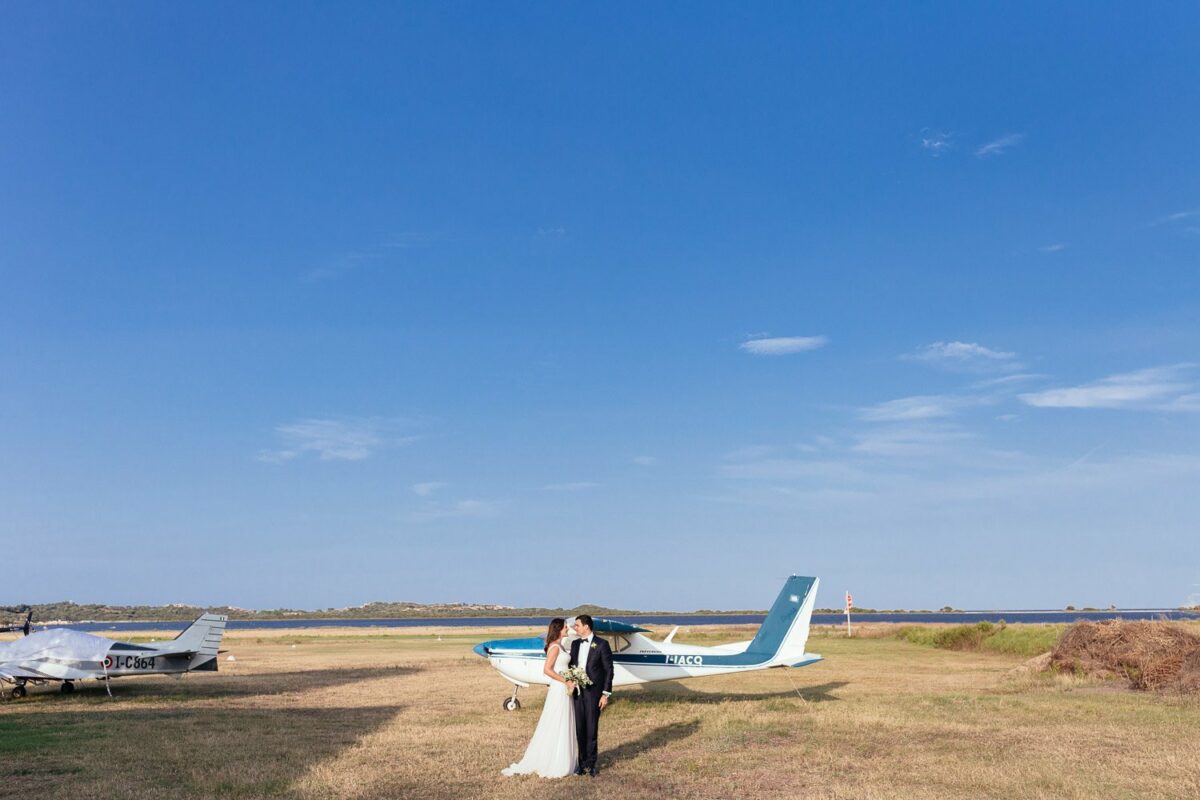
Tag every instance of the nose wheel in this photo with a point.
(511, 703)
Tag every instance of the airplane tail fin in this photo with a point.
(784, 633)
(202, 637)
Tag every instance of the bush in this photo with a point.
(1025, 640)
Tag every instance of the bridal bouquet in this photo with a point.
(577, 676)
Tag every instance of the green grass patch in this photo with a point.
(1016, 640)
(1023, 640)
(21, 736)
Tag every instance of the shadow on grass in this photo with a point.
(673, 692)
(202, 686)
(659, 737)
(207, 751)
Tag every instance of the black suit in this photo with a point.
(598, 664)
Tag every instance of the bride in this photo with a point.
(552, 751)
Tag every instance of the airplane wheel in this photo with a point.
(67, 687)
(18, 692)
(511, 704)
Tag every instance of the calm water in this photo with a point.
(662, 619)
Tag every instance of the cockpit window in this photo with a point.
(619, 643)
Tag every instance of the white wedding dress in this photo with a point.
(552, 752)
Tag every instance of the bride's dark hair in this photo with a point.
(556, 626)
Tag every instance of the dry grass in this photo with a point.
(399, 714)
(1150, 655)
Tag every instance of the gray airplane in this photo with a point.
(62, 654)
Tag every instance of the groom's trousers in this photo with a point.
(587, 724)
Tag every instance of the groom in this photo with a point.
(595, 656)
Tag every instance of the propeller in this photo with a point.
(25, 627)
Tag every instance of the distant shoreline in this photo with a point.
(94, 614)
(823, 618)
(631, 616)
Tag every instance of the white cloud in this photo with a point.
(999, 146)
(925, 406)
(1167, 388)
(426, 488)
(1056, 247)
(1178, 216)
(783, 345)
(904, 441)
(964, 357)
(1005, 381)
(794, 469)
(461, 508)
(573, 486)
(644, 461)
(335, 439)
(936, 142)
(348, 262)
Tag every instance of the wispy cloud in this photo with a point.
(1178, 216)
(551, 232)
(338, 266)
(936, 142)
(1006, 381)
(1056, 247)
(865, 457)
(1167, 388)
(644, 461)
(344, 263)
(461, 508)
(999, 146)
(335, 439)
(926, 406)
(782, 345)
(426, 488)
(572, 486)
(964, 357)
(910, 441)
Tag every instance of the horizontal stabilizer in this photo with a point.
(202, 637)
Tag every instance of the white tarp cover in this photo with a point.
(60, 643)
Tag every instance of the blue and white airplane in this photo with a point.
(780, 642)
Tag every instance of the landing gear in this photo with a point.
(512, 703)
(18, 691)
(67, 687)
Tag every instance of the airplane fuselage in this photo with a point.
(780, 642)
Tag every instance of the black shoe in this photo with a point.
(593, 772)
(579, 771)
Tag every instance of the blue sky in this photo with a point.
(314, 305)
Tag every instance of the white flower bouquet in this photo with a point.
(577, 676)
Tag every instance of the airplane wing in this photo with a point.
(11, 671)
(600, 625)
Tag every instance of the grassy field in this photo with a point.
(410, 713)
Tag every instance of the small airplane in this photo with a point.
(780, 642)
(62, 654)
(24, 627)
